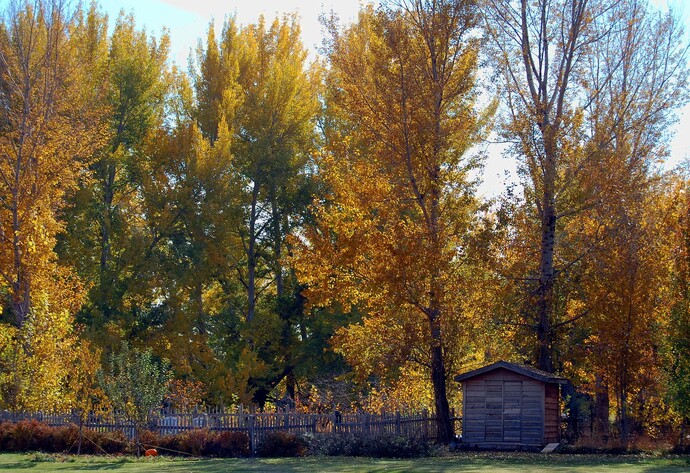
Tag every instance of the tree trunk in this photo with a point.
(20, 302)
(136, 439)
(601, 407)
(546, 262)
(251, 255)
(546, 289)
(625, 428)
(81, 435)
(624, 420)
(21, 292)
(624, 371)
(198, 304)
(438, 380)
(106, 283)
(683, 430)
(435, 312)
(277, 243)
(291, 385)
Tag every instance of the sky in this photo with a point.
(188, 21)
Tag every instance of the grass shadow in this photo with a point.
(468, 462)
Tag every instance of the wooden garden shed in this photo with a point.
(510, 406)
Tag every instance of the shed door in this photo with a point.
(503, 422)
(532, 412)
(493, 422)
(512, 411)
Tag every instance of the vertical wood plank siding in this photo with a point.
(504, 409)
(552, 421)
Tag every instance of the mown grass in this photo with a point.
(465, 462)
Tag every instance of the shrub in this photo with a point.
(386, 446)
(30, 435)
(170, 444)
(231, 444)
(99, 442)
(6, 434)
(203, 442)
(149, 439)
(63, 438)
(328, 444)
(33, 435)
(397, 446)
(195, 441)
(112, 442)
(282, 444)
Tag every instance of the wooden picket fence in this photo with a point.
(257, 425)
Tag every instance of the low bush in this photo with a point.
(24, 436)
(31, 435)
(110, 442)
(387, 446)
(397, 446)
(282, 444)
(335, 444)
(93, 442)
(6, 432)
(169, 444)
(64, 438)
(231, 444)
(204, 442)
(148, 439)
(196, 441)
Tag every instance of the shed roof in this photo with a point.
(517, 368)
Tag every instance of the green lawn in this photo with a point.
(467, 462)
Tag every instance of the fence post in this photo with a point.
(397, 423)
(425, 421)
(252, 438)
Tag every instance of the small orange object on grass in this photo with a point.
(151, 452)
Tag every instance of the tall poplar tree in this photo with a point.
(678, 363)
(392, 234)
(48, 133)
(105, 230)
(588, 93)
(257, 82)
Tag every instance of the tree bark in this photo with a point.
(546, 270)
(438, 369)
(251, 255)
(198, 304)
(106, 283)
(277, 243)
(438, 380)
(683, 430)
(601, 407)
